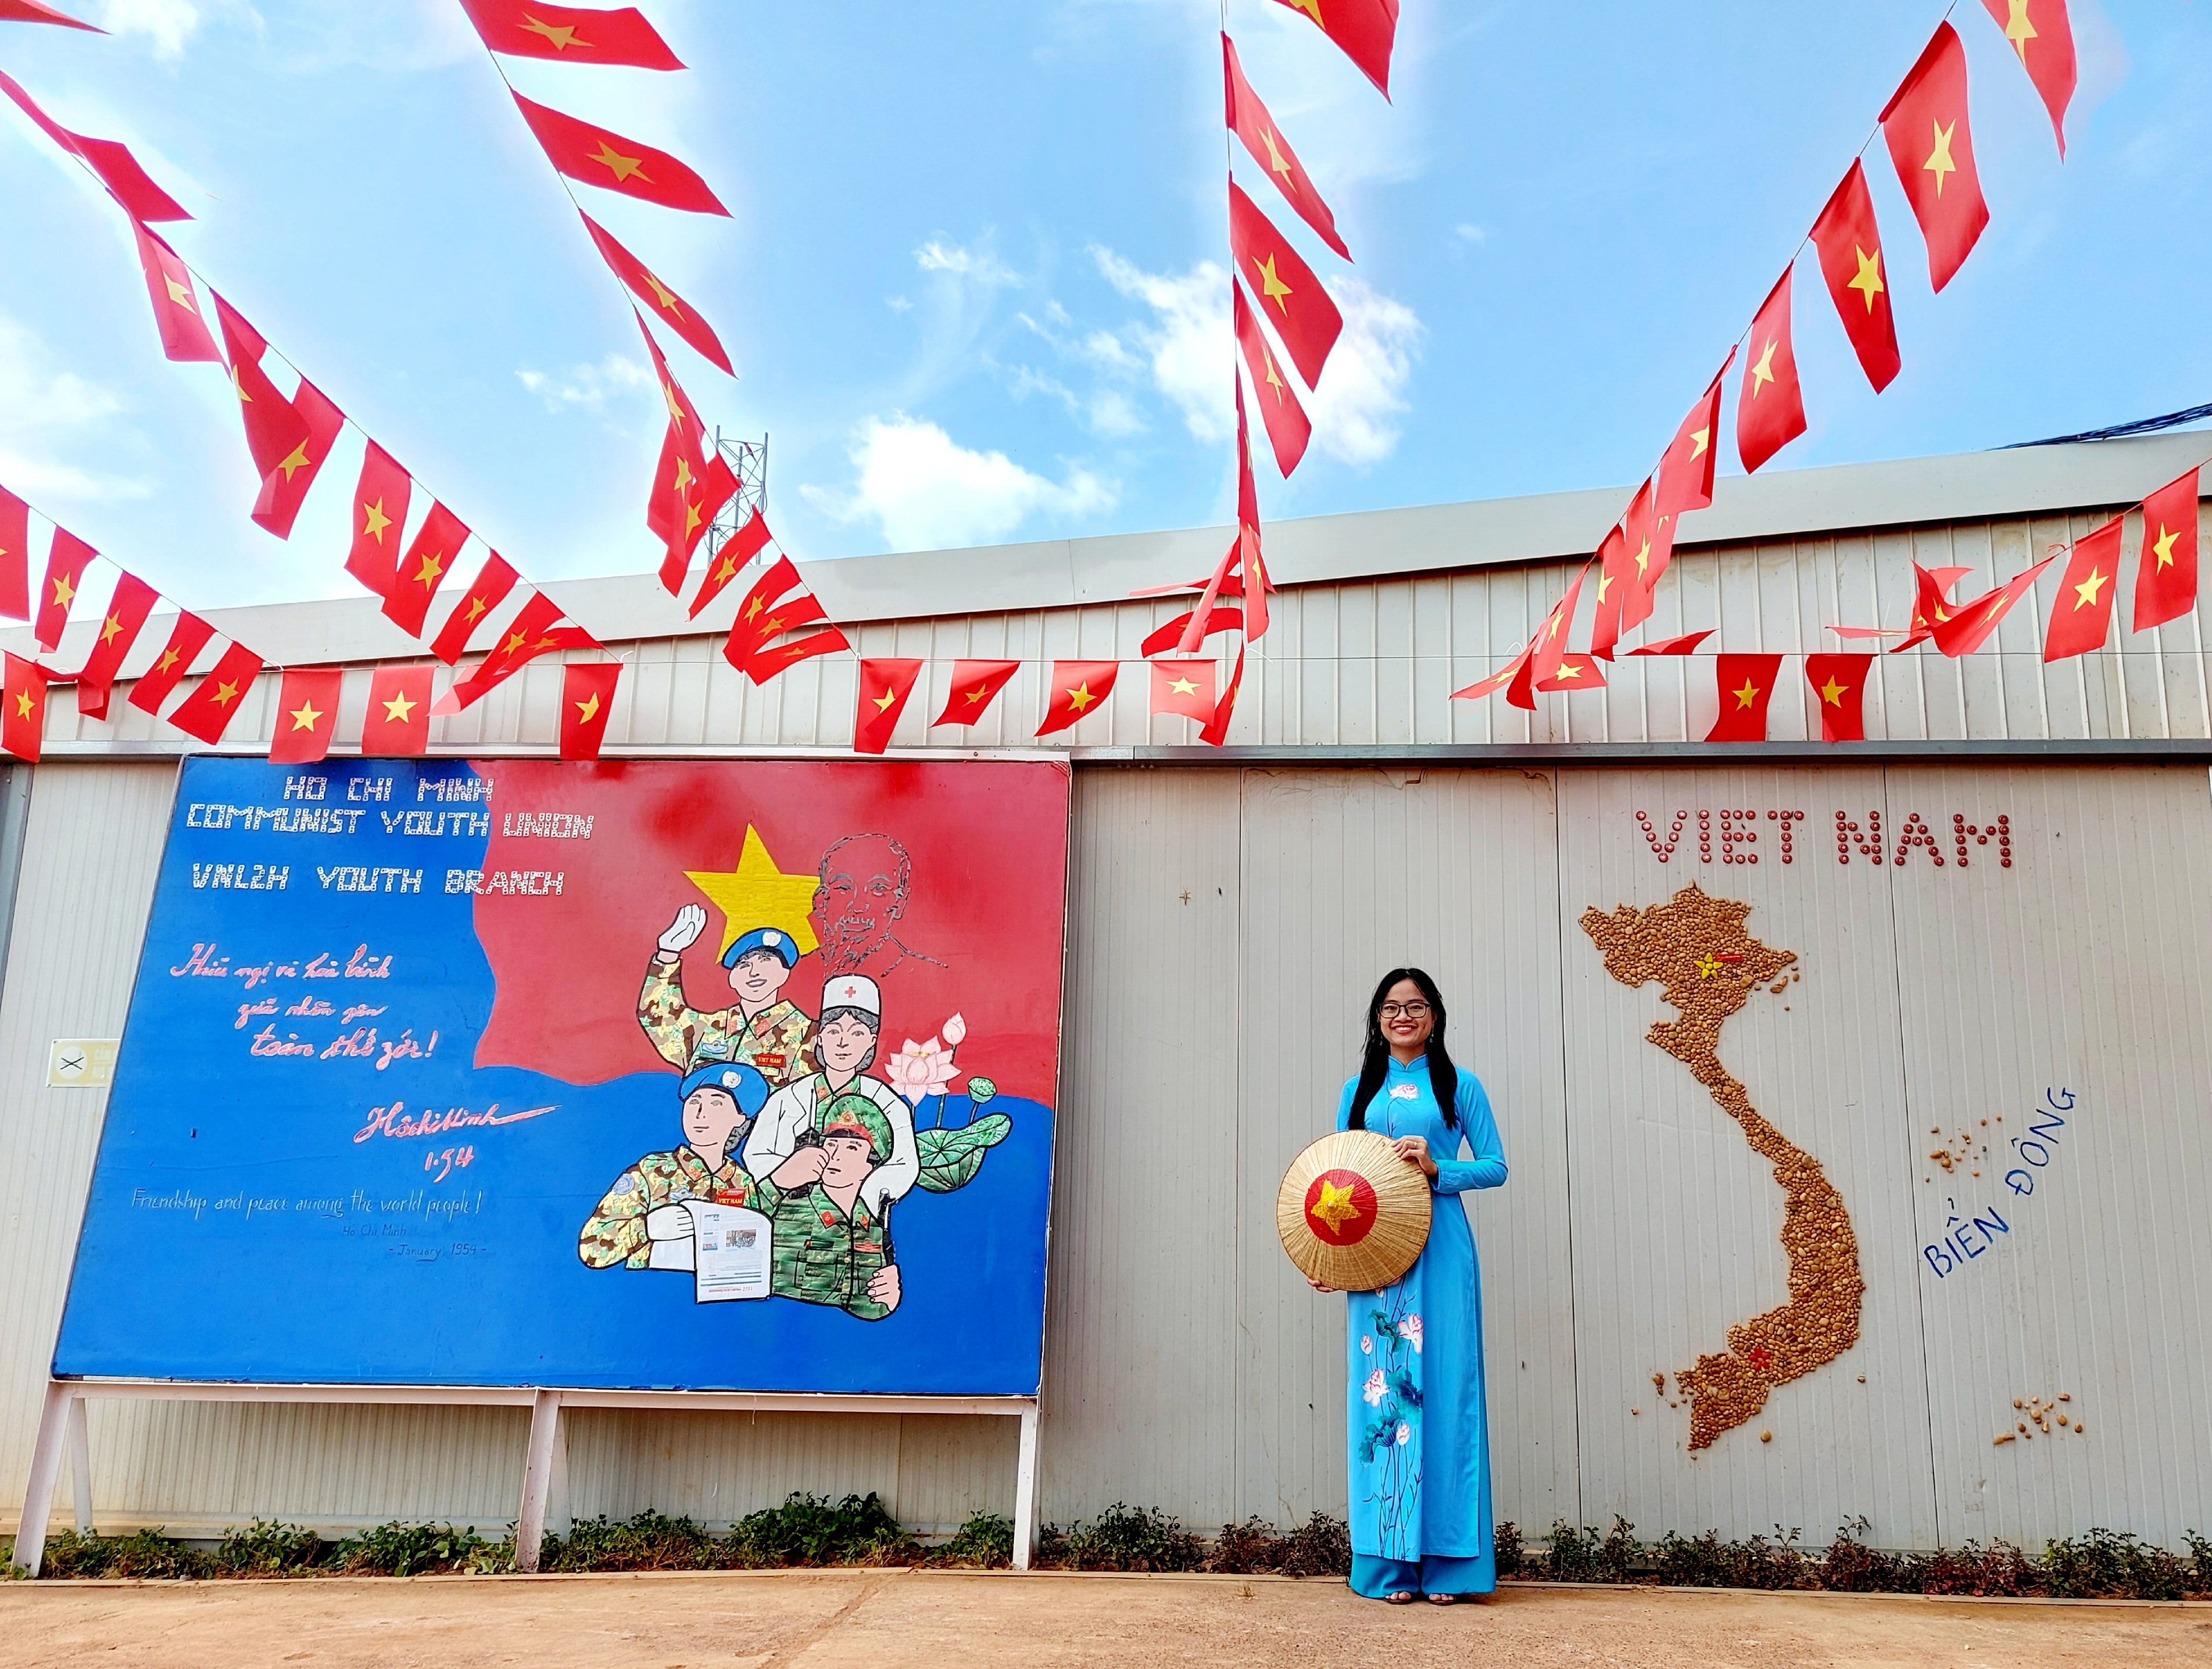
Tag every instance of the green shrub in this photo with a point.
(986, 1539)
(1584, 1555)
(1849, 1566)
(2000, 1568)
(1322, 1546)
(1511, 1560)
(269, 1549)
(143, 1554)
(406, 1550)
(2106, 1565)
(808, 1530)
(648, 1542)
(1125, 1537)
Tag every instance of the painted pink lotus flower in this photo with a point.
(1405, 1434)
(921, 1070)
(1366, 1345)
(1410, 1331)
(1376, 1389)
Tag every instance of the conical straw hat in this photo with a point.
(1352, 1214)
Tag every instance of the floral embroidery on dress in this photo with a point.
(1385, 1447)
(1376, 1389)
(1366, 1344)
(1410, 1331)
(1405, 1432)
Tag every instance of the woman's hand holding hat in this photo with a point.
(1414, 1150)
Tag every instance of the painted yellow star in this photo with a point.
(22, 704)
(1184, 687)
(883, 703)
(225, 693)
(1708, 966)
(588, 709)
(1080, 696)
(304, 717)
(562, 35)
(1746, 695)
(2019, 30)
(1334, 1206)
(620, 166)
(757, 894)
(1272, 289)
(433, 565)
(115, 624)
(1762, 372)
(2162, 546)
(180, 294)
(1869, 283)
(65, 593)
(2084, 594)
(297, 460)
(667, 298)
(1939, 161)
(374, 521)
(396, 710)
(1275, 162)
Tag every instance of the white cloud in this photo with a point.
(980, 265)
(898, 303)
(38, 407)
(1468, 232)
(1360, 391)
(1188, 342)
(927, 492)
(1113, 414)
(586, 386)
(167, 23)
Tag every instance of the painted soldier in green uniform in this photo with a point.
(646, 1205)
(762, 1030)
(830, 1246)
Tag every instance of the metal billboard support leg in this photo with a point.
(1026, 1482)
(80, 1459)
(537, 1478)
(46, 1467)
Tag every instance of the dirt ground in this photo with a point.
(919, 1620)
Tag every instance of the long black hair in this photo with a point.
(1375, 1062)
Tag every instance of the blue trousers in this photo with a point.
(1378, 1579)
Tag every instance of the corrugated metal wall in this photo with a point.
(1374, 664)
(1225, 925)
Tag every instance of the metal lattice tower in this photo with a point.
(749, 460)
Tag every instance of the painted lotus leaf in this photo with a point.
(949, 1159)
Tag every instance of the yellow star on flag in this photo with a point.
(23, 704)
(622, 167)
(114, 625)
(667, 298)
(757, 894)
(434, 564)
(1604, 581)
(1275, 162)
(1184, 687)
(225, 693)
(239, 388)
(2084, 594)
(65, 593)
(727, 572)
(883, 702)
(1869, 283)
(1762, 372)
(1274, 381)
(1939, 161)
(1080, 696)
(753, 609)
(396, 710)
(1832, 692)
(2019, 30)
(562, 35)
(2162, 546)
(180, 294)
(1699, 440)
(1568, 669)
(675, 406)
(1746, 695)
(296, 461)
(515, 642)
(169, 660)
(1312, 8)
(374, 521)
(978, 693)
(1643, 558)
(692, 517)
(1334, 1206)
(1271, 287)
(683, 472)
(588, 709)
(304, 717)
(475, 610)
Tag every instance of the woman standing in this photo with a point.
(1420, 1431)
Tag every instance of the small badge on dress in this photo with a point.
(1404, 1092)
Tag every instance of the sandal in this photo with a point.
(1403, 1597)
(1444, 1599)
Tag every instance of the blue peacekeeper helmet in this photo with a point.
(762, 938)
(742, 1083)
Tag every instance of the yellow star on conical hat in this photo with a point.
(758, 894)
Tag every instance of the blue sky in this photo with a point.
(974, 279)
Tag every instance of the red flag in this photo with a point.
(671, 309)
(429, 559)
(2042, 35)
(1746, 684)
(568, 34)
(1511, 671)
(1839, 683)
(176, 312)
(1217, 727)
(24, 724)
(2165, 583)
(1253, 571)
(1685, 644)
(485, 593)
(1549, 646)
(1931, 606)
(1283, 286)
(66, 565)
(307, 715)
(186, 639)
(765, 664)
(285, 487)
(885, 686)
(380, 514)
(119, 170)
(1163, 638)
(1289, 429)
(1574, 672)
(273, 429)
(1647, 540)
(2081, 613)
(1686, 471)
(37, 11)
(14, 557)
(1077, 687)
(207, 712)
(535, 630)
(601, 156)
(738, 549)
(1613, 580)
(1924, 126)
(398, 723)
(125, 619)
(780, 579)
(1365, 31)
(1770, 407)
(702, 503)
(1185, 687)
(1971, 624)
(587, 700)
(1249, 120)
(975, 684)
(1849, 244)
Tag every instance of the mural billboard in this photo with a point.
(731, 1076)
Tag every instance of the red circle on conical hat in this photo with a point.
(1349, 1213)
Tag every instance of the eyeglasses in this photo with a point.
(1410, 1010)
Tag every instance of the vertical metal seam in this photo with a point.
(1566, 1155)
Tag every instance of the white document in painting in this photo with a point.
(731, 1245)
